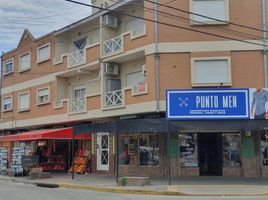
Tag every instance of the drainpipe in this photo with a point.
(264, 35)
(1, 85)
(156, 56)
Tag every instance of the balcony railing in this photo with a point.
(114, 98)
(77, 58)
(113, 45)
(78, 105)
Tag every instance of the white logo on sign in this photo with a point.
(183, 102)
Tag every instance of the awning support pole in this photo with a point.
(168, 154)
(73, 157)
(117, 151)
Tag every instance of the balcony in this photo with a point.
(114, 98)
(76, 58)
(113, 45)
(77, 105)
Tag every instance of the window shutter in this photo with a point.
(43, 53)
(211, 8)
(135, 25)
(25, 61)
(43, 92)
(24, 101)
(135, 78)
(211, 71)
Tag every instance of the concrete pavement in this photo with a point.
(199, 186)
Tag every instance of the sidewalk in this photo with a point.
(199, 186)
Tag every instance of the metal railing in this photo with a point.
(113, 45)
(78, 105)
(77, 58)
(114, 98)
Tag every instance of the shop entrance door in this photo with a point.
(210, 154)
(103, 151)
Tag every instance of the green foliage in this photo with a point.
(122, 181)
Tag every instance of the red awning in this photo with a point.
(61, 133)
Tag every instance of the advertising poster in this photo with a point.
(3, 159)
(188, 150)
(258, 99)
(17, 153)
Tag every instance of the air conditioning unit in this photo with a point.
(143, 68)
(110, 21)
(111, 69)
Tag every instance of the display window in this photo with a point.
(188, 150)
(231, 150)
(149, 150)
(143, 148)
(127, 149)
(264, 148)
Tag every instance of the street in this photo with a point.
(19, 191)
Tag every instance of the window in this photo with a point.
(8, 67)
(78, 101)
(25, 62)
(188, 150)
(43, 53)
(7, 104)
(79, 92)
(24, 101)
(211, 72)
(231, 150)
(43, 96)
(127, 149)
(134, 79)
(264, 148)
(136, 26)
(149, 150)
(218, 9)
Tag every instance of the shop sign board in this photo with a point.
(28, 161)
(207, 104)
(17, 153)
(3, 159)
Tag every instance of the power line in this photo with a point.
(207, 17)
(167, 24)
(184, 19)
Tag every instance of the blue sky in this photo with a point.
(39, 16)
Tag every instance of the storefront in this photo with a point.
(48, 150)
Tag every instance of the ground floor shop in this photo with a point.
(157, 148)
(47, 150)
(195, 154)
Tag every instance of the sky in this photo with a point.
(39, 16)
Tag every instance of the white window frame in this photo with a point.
(216, 84)
(7, 62)
(38, 49)
(24, 109)
(37, 96)
(3, 105)
(209, 21)
(29, 67)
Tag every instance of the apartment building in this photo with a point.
(113, 69)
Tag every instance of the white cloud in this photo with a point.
(39, 16)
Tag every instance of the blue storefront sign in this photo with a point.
(207, 104)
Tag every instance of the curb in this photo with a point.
(121, 190)
(147, 192)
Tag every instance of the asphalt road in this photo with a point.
(18, 191)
